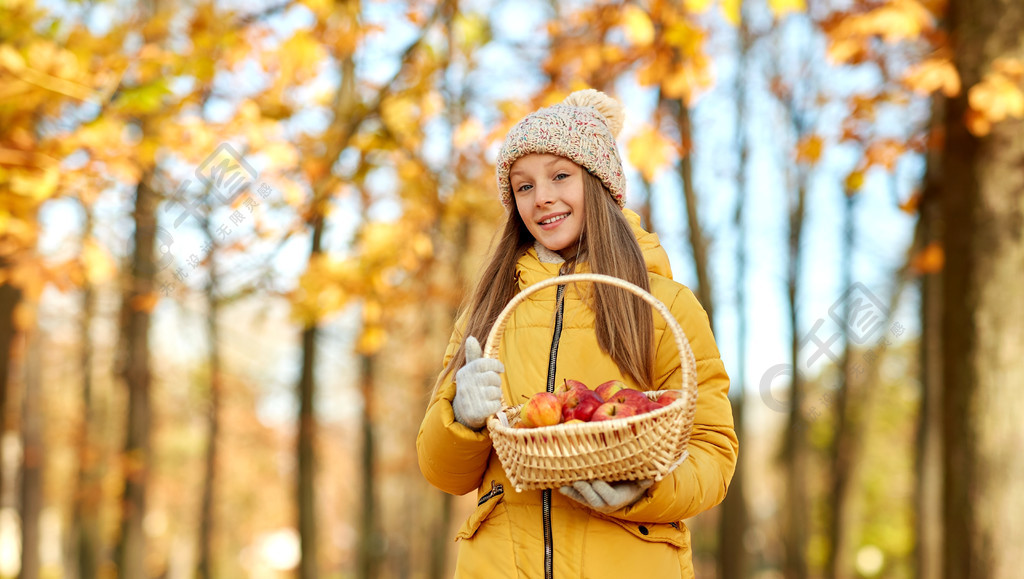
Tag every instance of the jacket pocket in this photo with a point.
(671, 533)
(484, 507)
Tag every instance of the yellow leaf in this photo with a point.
(932, 75)
(697, 6)
(321, 8)
(280, 155)
(846, 50)
(809, 149)
(38, 184)
(371, 340)
(731, 11)
(783, 7)
(11, 59)
(854, 181)
(899, 20)
(637, 25)
(996, 97)
(99, 266)
(650, 152)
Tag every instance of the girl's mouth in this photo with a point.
(553, 221)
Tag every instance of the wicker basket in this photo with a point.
(645, 446)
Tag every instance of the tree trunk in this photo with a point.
(848, 429)
(794, 449)
(369, 540)
(306, 441)
(88, 494)
(207, 520)
(928, 443)
(32, 458)
(698, 242)
(982, 194)
(733, 559)
(135, 370)
(9, 298)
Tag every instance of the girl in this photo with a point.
(560, 178)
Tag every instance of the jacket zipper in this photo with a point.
(549, 549)
(496, 489)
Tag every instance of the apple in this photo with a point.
(636, 399)
(542, 409)
(609, 388)
(612, 410)
(629, 396)
(569, 384)
(571, 394)
(669, 397)
(587, 405)
(574, 421)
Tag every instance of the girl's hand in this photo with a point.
(478, 387)
(606, 497)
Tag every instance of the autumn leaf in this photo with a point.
(371, 340)
(98, 264)
(145, 302)
(933, 75)
(731, 11)
(930, 259)
(809, 149)
(143, 99)
(697, 6)
(637, 25)
(783, 7)
(996, 97)
(910, 205)
(650, 152)
(885, 153)
(854, 181)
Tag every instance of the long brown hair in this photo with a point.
(623, 322)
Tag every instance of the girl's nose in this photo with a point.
(545, 195)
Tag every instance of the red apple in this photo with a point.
(571, 395)
(570, 384)
(587, 405)
(669, 397)
(629, 396)
(612, 410)
(609, 388)
(542, 409)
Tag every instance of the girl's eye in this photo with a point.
(561, 176)
(524, 188)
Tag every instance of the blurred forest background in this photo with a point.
(234, 236)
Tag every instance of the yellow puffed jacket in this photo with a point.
(504, 537)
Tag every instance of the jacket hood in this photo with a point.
(533, 267)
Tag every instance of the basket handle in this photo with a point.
(688, 362)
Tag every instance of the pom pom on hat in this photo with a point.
(611, 109)
(582, 128)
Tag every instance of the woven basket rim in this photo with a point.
(589, 427)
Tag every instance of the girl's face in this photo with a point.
(548, 190)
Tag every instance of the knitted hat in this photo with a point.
(582, 128)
